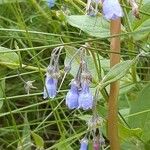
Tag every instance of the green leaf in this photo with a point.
(144, 25)
(94, 26)
(142, 118)
(127, 133)
(9, 59)
(117, 72)
(133, 144)
(39, 142)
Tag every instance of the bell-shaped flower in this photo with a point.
(85, 97)
(96, 143)
(72, 96)
(50, 89)
(112, 9)
(51, 3)
(84, 144)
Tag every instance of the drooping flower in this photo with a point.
(84, 144)
(96, 144)
(52, 74)
(112, 9)
(85, 97)
(72, 96)
(51, 3)
(50, 89)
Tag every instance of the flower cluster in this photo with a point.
(111, 8)
(79, 95)
(95, 135)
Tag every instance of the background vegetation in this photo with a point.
(29, 30)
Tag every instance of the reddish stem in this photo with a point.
(115, 28)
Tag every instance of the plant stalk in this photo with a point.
(115, 28)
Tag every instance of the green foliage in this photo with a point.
(142, 23)
(9, 59)
(139, 113)
(127, 133)
(39, 142)
(94, 26)
(117, 72)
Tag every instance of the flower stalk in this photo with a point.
(115, 28)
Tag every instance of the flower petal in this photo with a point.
(112, 9)
(50, 89)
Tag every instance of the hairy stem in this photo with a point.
(115, 28)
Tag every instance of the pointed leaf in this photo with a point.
(117, 72)
(39, 142)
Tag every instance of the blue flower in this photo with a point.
(112, 9)
(85, 97)
(72, 96)
(51, 3)
(50, 89)
(84, 144)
